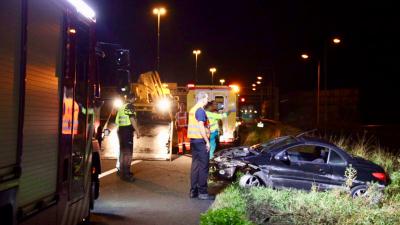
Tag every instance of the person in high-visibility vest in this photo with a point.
(126, 121)
(213, 118)
(200, 147)
(181, 123)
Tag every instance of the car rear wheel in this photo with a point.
(249, 180)
(359, 191)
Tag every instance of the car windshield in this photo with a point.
(274, 143)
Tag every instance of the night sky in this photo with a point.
(244, 39)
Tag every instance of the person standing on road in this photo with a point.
(126, 121)
(181, 122)
(213, 118)
(200, 147)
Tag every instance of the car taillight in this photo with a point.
(380, 176)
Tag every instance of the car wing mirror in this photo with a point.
(284, 157)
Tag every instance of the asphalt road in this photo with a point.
(159, 195)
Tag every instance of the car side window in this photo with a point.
(335, 158)
(308, 153)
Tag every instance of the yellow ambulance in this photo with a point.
(226, 99)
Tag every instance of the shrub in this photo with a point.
(230, 198)
(224, 216)
(392, 192)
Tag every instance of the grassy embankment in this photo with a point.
(267, 206)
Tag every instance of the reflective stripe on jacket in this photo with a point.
(123, 116)
(193, 125)
(213, 119)
(181, 119)
(70, 119)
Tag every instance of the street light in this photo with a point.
(159, 12)
(258, 82)
(212, 70)
(259, 78)
(222, 81)
(305, 56)
(196, 52)
(253, 85)
(336, 41)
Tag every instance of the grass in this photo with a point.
(281, 207)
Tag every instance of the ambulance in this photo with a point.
(226, 98)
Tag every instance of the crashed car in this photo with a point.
(296, 162)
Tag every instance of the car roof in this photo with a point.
(312, 141)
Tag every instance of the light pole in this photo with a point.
(158, 12)
(196, 52)
(222, 81)
(306, 57)
(212, 70)
(335, 41)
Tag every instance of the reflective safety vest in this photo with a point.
(70, 119)
(213, 119)
(181, 119)
(123, 116)
(193, 126)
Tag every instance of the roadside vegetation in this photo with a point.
(280, 207)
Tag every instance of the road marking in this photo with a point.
(115, 169)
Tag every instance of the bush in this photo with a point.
(392, 192)
(273, 207)
(224, 216)
(230, 198)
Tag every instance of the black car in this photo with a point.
(296, 162)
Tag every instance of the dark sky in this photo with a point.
(244, 39)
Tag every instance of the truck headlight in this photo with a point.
(164, 105)
(118, 103)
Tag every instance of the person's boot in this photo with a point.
(128, 178)
(193, 194)
(206, 197)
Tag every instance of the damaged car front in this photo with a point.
(227, 162)
(244, 159)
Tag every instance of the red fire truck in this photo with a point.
(48, 114)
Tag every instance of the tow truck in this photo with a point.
(154, 106)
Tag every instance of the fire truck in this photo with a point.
(226, 99)
(48, 115)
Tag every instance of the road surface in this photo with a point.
(158, 196)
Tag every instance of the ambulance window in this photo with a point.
(220, 100)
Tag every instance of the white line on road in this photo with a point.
(115, 169)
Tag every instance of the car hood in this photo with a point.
(231, 153)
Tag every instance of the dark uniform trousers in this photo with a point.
(199, 170)
(125, 135)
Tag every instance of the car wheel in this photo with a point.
(249, 180)
(359, 191)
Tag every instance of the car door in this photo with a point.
(301, 170)
(338, 165)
